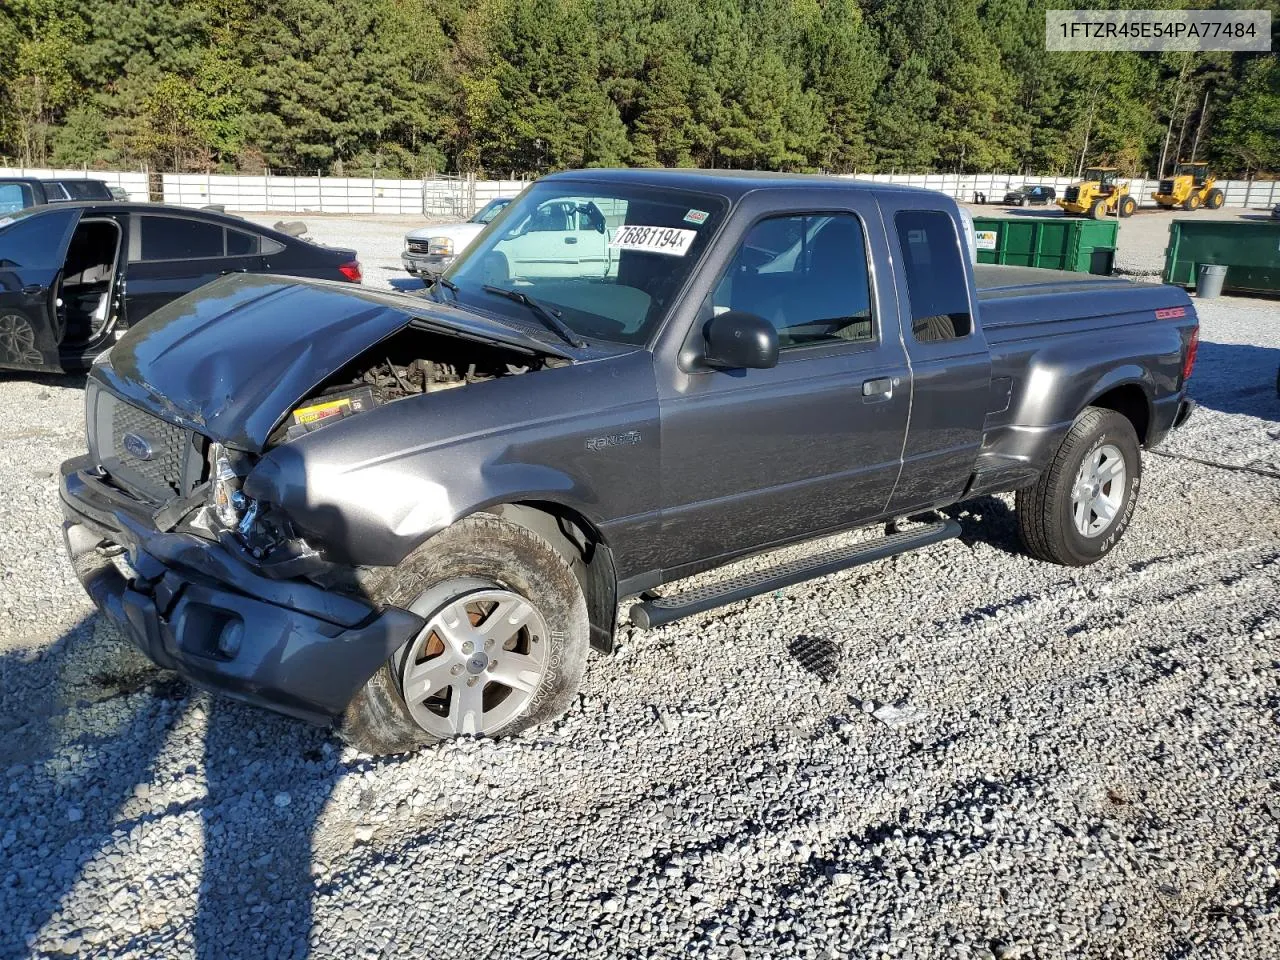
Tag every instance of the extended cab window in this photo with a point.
(936, 283)
(805, 274)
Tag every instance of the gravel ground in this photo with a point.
(955, 753)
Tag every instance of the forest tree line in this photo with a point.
(408, 87)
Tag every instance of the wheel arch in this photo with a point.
(583, 548)
(1131, 400)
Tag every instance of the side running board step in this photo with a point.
(659, 611)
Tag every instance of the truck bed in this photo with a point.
(1017, 302)
(995, 281)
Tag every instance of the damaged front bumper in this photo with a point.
(197, 608)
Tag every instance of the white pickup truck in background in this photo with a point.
(429, 250)
(555, 241)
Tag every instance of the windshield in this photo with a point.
(490, 210)
(606, 258)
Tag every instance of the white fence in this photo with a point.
(457, 197)
(135, 183)
(439, 197)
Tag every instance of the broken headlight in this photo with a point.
(233, 509)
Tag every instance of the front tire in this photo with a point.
(1099, 210)
(1191, 203)
(1081, 505)
(1127, 207)
(1215, 200)
(503, 649)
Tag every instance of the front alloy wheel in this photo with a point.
(477, 663)
(502, 647)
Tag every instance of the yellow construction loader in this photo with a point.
(1100, 194)
(1190, 188)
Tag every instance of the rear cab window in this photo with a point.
(937, 285)
(85, 189)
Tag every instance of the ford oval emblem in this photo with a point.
(137, 447)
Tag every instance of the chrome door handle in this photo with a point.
(570, 239)
(880, 387)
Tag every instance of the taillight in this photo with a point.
(351, 270)
(1189, 361)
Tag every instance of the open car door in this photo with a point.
(33, 248)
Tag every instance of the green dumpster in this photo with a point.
(1249, 249)
(1055, 243)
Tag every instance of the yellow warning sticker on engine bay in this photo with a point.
(322, 411)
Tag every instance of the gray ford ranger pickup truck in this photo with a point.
(412, 515)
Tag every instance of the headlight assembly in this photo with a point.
(233, 509)
(440, 247)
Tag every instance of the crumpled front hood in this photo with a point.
(230, 359)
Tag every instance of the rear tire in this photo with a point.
(481, 567)
(1215, 200)
(1064, 518)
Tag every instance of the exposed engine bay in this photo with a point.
(408, 364)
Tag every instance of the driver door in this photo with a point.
(33, 249)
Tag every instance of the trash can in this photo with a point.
(1210, 279)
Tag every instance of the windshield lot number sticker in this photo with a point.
(696, 216)
(667, 240)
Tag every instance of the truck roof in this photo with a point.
(732, 183)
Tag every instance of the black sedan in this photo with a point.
(1030, 196)
(75, 276)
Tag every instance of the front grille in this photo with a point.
(418, 246)
(163, 471)
(143, 454)
(1166, 187)
(1072, 194)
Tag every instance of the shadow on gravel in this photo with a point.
(83, 726)
(1237, 378)
(73, 381)
(73, 744)
(986, 520)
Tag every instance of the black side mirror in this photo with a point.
(737, 340)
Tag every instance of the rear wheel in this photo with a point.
(1192, 202)
(1127, 206)
(1099, 210)
(503, 647)
(1081, 505)
(1215, 200)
